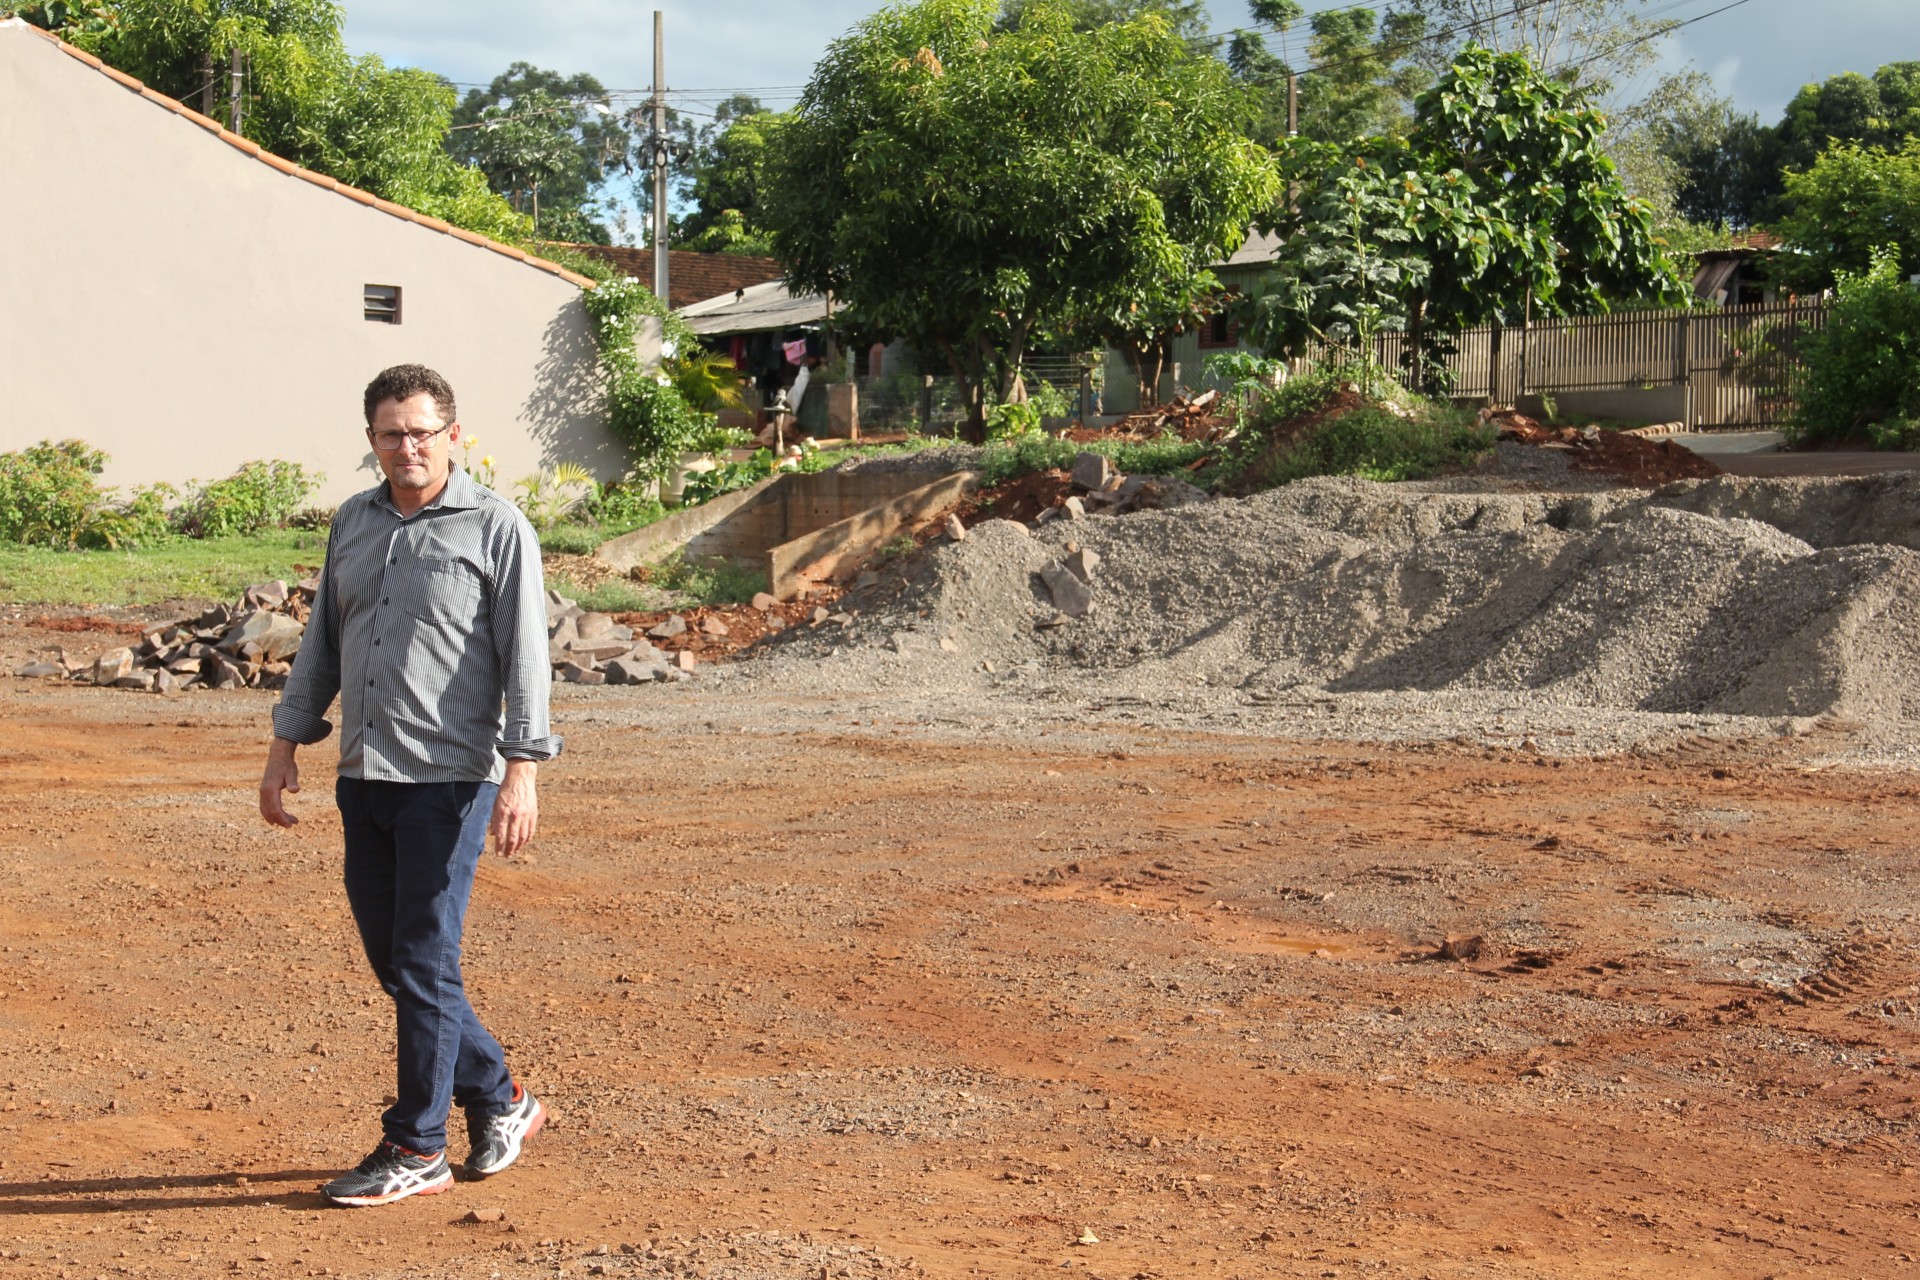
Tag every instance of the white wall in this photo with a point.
(187, 307)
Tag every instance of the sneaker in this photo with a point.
(390, 1173)
(498, 1136)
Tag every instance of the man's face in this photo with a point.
(413, 466)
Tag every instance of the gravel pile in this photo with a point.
(1735, 605)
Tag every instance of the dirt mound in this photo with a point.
(1676, 603)
(1619, 455)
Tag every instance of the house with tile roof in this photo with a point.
(691, 277)
(174, 295)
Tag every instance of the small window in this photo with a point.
(383, 303)
(1219, 331)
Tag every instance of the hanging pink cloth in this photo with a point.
(795, 351)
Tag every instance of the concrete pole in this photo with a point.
(233, 105)
(659, 160)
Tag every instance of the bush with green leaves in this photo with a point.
(1863, 369)
(1347, 421)
(260, 495)
(50, 497)
(644, 407)
(1012, 421)
(624, 504)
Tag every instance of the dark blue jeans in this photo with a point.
(412, 848)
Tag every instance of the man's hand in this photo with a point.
(517, 811)
(282, 774)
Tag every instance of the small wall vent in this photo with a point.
(383, 303)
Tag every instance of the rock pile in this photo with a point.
(248, 644)
(251, 643)
(593, 648)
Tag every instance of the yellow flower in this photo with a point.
(487, 462)
(469, 442)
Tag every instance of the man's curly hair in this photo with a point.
(405, 381)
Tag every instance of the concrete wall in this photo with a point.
(187, 307)
(744, 526)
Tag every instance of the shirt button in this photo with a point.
(384, 599)
(395, 560)
(369, 724)
(369, 684)
(376, 643)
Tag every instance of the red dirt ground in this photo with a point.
(813, 991)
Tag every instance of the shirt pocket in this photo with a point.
(442, 591)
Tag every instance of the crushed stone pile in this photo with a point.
(1732, 596)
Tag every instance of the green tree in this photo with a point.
(1852, 200)
(545, 141)
(728, 172)
(1500, 199)
(966, 189)
(302, 96)
(1186, 18)
(1354, 76)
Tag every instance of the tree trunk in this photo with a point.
(972, 382)
(1148, 361)
(1417, 342)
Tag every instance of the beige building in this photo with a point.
(177, 297)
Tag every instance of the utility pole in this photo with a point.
(1293, 105)
(659, 162)
(233, 107)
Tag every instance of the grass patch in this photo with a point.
(1009, 460)
(572, 539)
(176, 569)
(707, 581)
(613, 596)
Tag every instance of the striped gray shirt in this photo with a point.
(426, 627)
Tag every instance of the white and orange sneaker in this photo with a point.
(498, 1136)
(390, 1173)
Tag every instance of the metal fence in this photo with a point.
(1709, 370)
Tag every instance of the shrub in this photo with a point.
(260, 495)
(1896, 433)
(1012, 421)
(1378, 444)
(624, 504)
(50, 498)
(1864, 368)
(644, 409)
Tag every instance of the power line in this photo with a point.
(1627, 44)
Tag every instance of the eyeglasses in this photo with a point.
(388, 441)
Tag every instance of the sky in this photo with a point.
(1758, 52)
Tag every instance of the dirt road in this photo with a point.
(813, 997)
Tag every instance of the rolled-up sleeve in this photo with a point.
(300, 715)
(520, 645)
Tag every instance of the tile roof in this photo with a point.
(253, 149)
(691, 277)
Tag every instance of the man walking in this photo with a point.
(430, 627)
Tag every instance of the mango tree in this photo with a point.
(967, 189)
